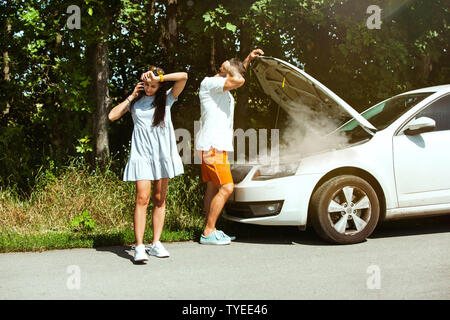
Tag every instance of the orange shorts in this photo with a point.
(215, 167)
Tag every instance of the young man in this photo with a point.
(215, 139)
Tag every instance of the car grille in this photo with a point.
(238, 210)
(248, 210)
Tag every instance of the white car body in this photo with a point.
(411, 174)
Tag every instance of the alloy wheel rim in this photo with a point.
(349, 210)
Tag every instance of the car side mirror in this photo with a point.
(420, 125)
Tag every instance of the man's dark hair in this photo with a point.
(235, 62)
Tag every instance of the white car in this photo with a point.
(396, 165)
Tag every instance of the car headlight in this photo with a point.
(275, 171)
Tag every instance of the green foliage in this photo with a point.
(14, 242)
(216, 19)
(84, 145)
(78, 198)
(184, 201)
(51, 89)
(14, 156)
(83, 222)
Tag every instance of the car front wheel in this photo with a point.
(345, 210)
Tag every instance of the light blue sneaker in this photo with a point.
(232, 238)
(216, 237)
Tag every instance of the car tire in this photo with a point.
(345, 210)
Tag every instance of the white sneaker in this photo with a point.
(139, 253)
(158, 250)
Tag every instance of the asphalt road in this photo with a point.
(402, 260)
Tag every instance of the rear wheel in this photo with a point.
(345, 210)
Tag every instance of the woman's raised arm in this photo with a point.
(119, 110)
(180, 79)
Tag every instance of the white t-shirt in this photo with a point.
(217, 110)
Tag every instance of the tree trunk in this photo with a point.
(220, 52)
(102, 101)
(169, 35)
(97, 54)
(243, 93)
(172, 22)
(212, 58)
(6, 66)
(423, 70)
(152, 8)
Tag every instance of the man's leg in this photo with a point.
(211, 191)
(215, 209)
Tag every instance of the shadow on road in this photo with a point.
(412, 226)
(121, 251)
(248, 233)
(288, 235)
(284, 235)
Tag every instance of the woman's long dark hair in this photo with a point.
(160, 99)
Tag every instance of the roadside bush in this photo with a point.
(61, 198)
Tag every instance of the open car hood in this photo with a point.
(296, 92)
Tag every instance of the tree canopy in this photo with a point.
(57, 82)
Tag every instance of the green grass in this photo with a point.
(77, 207)
(15, 242)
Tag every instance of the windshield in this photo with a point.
(383, 114)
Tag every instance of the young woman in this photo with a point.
(154, 157)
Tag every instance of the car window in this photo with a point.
(439, 111)
(382, 114)
(386, 112)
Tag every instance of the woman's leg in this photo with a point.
(159, 207)
(143, 188)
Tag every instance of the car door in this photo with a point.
(422, 162)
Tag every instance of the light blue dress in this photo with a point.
(154, 154)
